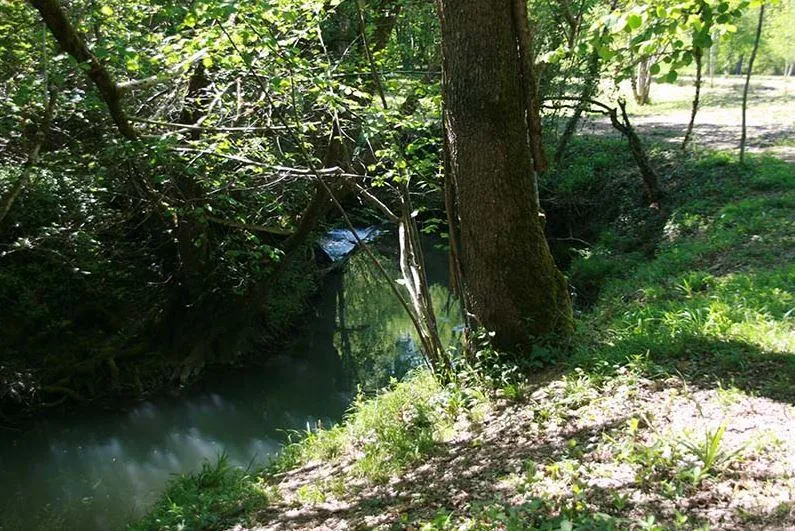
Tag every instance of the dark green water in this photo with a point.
(97, 470)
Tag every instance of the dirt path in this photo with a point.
(770, 117)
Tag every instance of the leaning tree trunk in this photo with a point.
(697, 54)
(748, 80)
(651, 182)
(511, 284)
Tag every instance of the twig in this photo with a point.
(189, 127)
(278, 231)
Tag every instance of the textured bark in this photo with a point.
(698, 54)
(748, 80)
(512, 286)
(532, 102)
(641, 81)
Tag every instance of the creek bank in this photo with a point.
(97, 470)
(673, 409)
(219, 334)
(598, 458)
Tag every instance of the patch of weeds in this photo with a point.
(728, 396)
(216, 497)
(710, 453)
(388, 431)
(652, 457)
(716, 300)
(397, 427)
(538, 513)
(441, 522)
(310, 494)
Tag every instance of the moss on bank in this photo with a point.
(670, 411)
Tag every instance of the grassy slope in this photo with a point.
(686, 338)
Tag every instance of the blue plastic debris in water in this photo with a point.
(338, 243)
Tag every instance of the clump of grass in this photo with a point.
(215, 497)
(711, 454)
(717, 292)
(396, 428)
(387, 432)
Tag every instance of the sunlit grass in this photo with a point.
(386, 432)
(213, 498)
(712, 301)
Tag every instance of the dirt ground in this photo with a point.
(770, 115)
(521, 452)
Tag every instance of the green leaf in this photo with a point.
(634, 21)
(671, 76)
(605, 52)
(702, 40)
(655, 69)
(106, 10)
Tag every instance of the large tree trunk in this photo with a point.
(512, 286)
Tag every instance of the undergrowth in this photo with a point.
(215, 497)
(717, 298)
(709, 302)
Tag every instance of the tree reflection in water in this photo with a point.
(96, 469)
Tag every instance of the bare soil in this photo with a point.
(770, 116)
(520, 452)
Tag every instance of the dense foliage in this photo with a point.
(168, 169)
(143, 207)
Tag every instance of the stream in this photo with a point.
(98, 470)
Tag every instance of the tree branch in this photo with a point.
(64, 32)
(136, 84)
(278, 231)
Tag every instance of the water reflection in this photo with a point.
(97, 470)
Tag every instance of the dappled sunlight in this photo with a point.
(579, 446)
(388, 264)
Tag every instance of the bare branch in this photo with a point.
(150, 81)
(278, 231)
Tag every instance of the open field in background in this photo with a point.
(771, 114)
